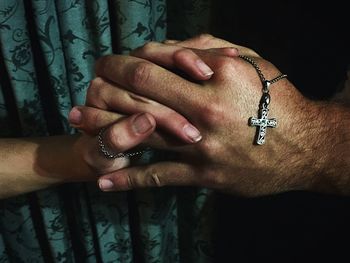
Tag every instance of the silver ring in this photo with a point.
(111, 155)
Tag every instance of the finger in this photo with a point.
(123, 135)
(165, 55)
(224, 66)
(171, 41)
(128, 132)
(147, 79)
(93, 156)
(103, 95)
(206, 41)
(155, 175)
(118, 138)
(190, 61)
(172, 56)
(225, 51)
(91, 120)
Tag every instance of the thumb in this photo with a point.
(154, 175)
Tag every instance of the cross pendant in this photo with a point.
(263, 122)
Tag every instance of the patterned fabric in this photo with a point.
(48, 49)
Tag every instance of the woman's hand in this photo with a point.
(124, 134)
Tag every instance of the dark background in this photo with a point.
(309, 43)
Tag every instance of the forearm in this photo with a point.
(329, 141)
(36, 163)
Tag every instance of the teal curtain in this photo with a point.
(48, 49)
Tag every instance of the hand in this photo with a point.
(207, 41)
(121, 135)
(183, 55)
(133, 130)
(170, 56)
(97, 115)
(226, 158)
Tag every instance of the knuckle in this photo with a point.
(183, 53)
(130, 182)
(135, 98)
(98, 82)
(212, 113)
(227, 65)
(203, 38)
(210, 148)
(148, 47)
(94, 92)
(153, 178)
(142, 51)
(148, 178)
(140, 75)
(156, 180)
(113, 139)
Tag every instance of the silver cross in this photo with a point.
(263, 122)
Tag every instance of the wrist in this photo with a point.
(308, 135)
(60, 158)
(332, 173)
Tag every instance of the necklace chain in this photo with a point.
(263, 121)
(112, 155)
(266, 83)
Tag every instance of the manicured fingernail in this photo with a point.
(204, 68)
(192, 133)
(75, 116)
(142, 124)
(105, 184)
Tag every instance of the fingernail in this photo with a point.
(105, 184)
(142, 124)
(192, 133)
(75, 116)
(206, 71)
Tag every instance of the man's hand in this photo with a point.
(207, 41)
(226, 158)
(296, 155)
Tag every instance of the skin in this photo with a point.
(314, 156)
(302, 153)
(36, 163)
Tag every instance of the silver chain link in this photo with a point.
(263, 122)
(110, 155)
(266, 83)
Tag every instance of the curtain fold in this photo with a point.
(19, 63)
